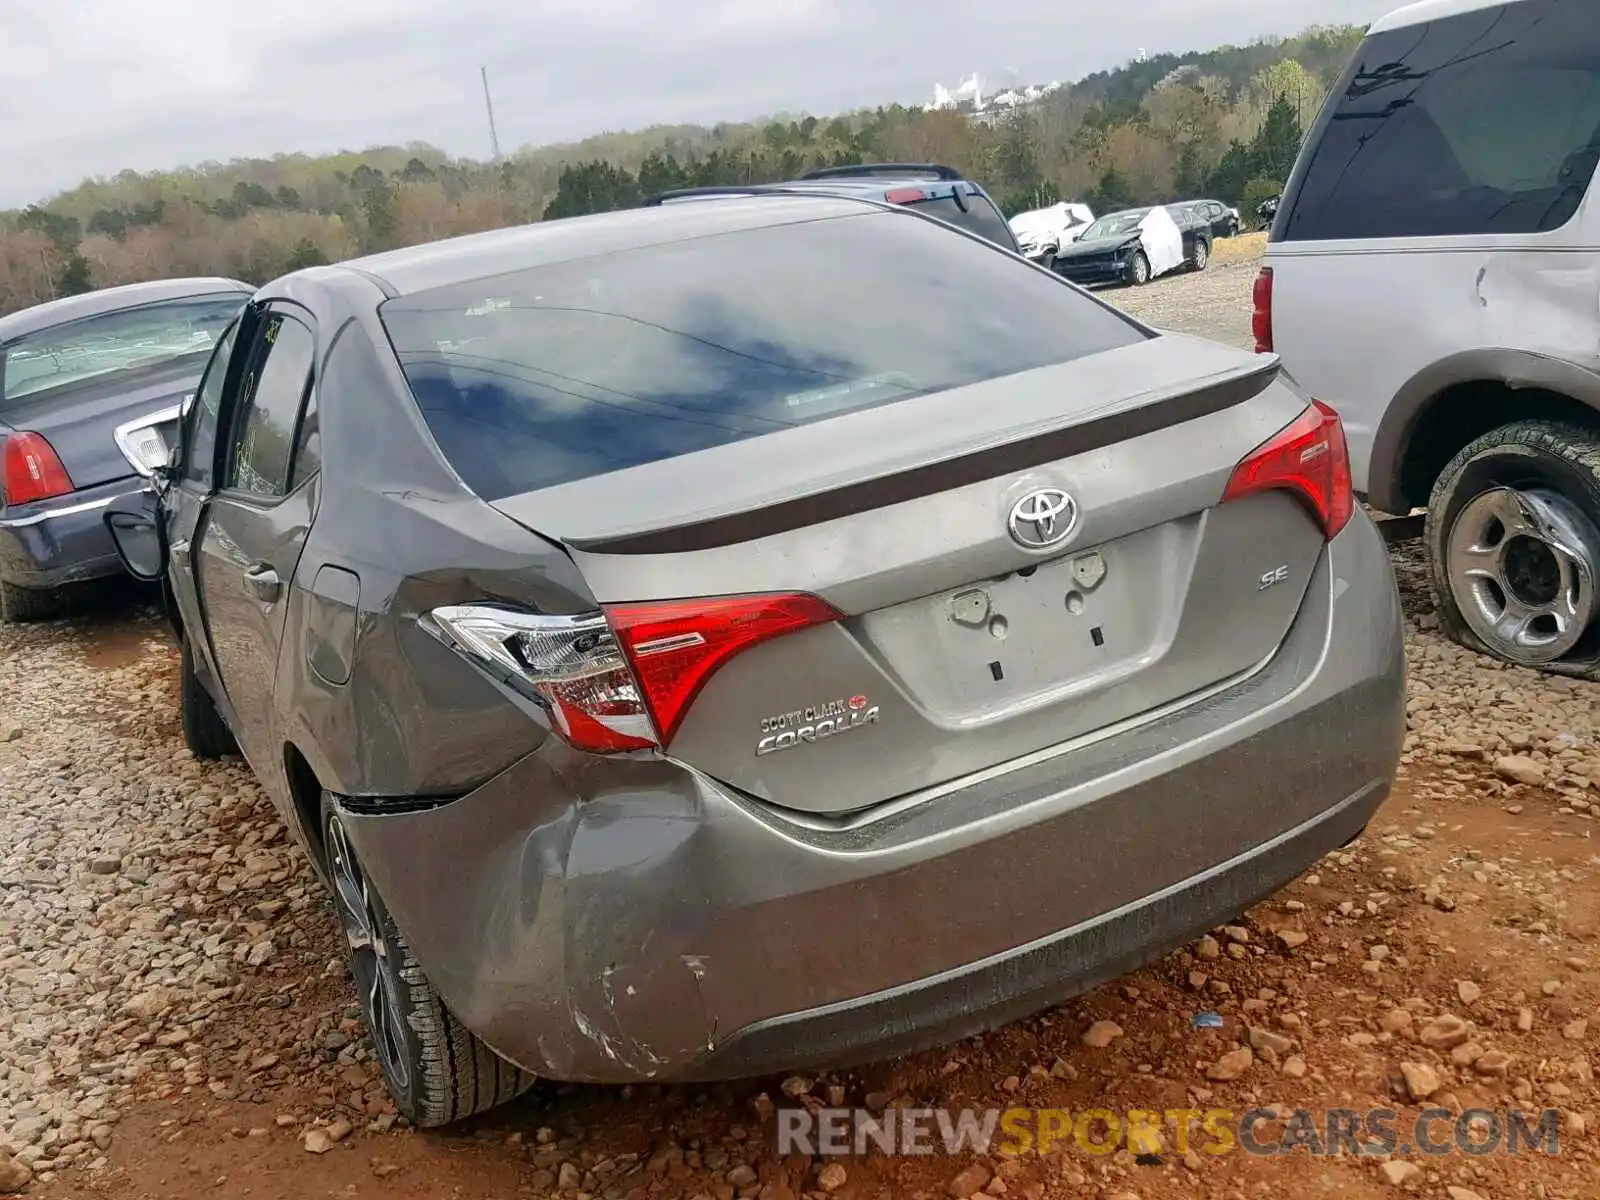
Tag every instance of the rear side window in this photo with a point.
(1482, 123)
(979, 217)
(537, 378)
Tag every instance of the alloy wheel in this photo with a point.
(1521, 566)
(372, 962)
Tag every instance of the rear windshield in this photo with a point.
(130, 339)
(979, 217)
(541, 377)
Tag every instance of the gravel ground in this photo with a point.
(174, 1019)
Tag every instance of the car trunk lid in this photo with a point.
(961, 648)
(80, 422)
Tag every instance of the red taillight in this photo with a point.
(1307, 457)
(675, 646)
(1261, 317)
(905, 196)
(30, 470)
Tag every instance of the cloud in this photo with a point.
(104, 85)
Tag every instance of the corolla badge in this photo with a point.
(1043, 518)
(807, 726)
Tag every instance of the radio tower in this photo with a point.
(494, 138)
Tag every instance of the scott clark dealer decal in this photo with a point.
(806, 726)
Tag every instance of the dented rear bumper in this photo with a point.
(634, 919)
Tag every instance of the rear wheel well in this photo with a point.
(1462, 414)
(306, 790)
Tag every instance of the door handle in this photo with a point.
(263, 581)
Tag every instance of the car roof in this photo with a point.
(505, 251)
(1429, 10)
(113, 299)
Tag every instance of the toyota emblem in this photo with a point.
(1043, 518)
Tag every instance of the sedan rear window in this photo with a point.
(129, 339)
(557, 373)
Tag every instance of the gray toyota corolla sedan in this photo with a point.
(760, 633)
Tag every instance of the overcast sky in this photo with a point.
(95, 86)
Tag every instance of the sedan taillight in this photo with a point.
(623, 679)
(31, 470)
(1307, 457)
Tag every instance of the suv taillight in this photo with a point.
(30, 470)
(1261, 317)
(1307, 457)
(623, 679)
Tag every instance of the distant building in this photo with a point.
(968, 98)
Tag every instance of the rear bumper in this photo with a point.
(633, 919)
(62, 541)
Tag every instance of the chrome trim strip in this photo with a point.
(51, 514)
(122, 433)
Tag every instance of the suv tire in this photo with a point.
(1513, 540)
(204, 731)
(1202, 255)
(436, 1070)
(20, 604)
(1138, 269)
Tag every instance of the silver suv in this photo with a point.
(1433, 276)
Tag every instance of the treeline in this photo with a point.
(1225, 123)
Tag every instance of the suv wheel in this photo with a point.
(1139, 269)
(204, 731)
(1513, 537)
(436, 1071)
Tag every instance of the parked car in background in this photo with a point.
(1041, 232)
(937, 191)
(1267, 212)
(598, 597)
(90, 388)
(1432, 274)
(1117, 247)
(1222, 219)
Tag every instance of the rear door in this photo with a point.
(184, 502)
(256, 523)
(1009, 490)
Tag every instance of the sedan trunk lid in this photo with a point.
(961, 647)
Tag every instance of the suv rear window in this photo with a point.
(1482, 123)
(980, 217)
(545, 376)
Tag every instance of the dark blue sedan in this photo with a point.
(90, 392)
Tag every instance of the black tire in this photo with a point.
(19, 605)
(436, 1070)
(1549, 457)
(1202, 255)
(204, 731)
(1138, 269)
(1233, 229)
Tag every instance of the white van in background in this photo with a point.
(1433, 274)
